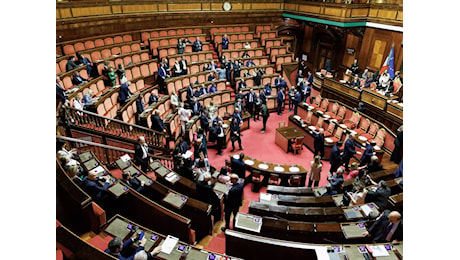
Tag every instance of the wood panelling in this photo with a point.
(237, 6)
(387, 14)
(307, 39)
(184, 7)
(116, 9)
(373, 12)
(162, 7)
(334, 11)
(266, 6)
(375, 47)
(206, 6)
(65, 12)
(353, 42)
(216, 7)
(247, 6)
(58, 15)
(89, 11)
(359, 12)
(139, 8)
(400, 16)
(309, 9)
(290, 7)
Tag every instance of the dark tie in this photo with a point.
(387, 230)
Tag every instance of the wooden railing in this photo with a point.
(115, 127)
(109, 154)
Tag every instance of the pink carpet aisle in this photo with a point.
(262, 147)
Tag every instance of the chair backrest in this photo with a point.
(365, 123)
(309, 115)
(330, 127)
(317, 100)
(281, 124)
(323, 72)
(373, 129)
(274, 177)
(324, 104)
(341, 112)
(338, 133)
(373, 86)
(335, 108)
(295, 180)
(381, 133)
(320, 122)
(355, 117)
(256, 174)
(396, 87)
(299, 141)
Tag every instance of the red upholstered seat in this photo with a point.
(338, 135)
(371, 132)
(99, 242)
(396, 87)
(308, 117)
(353, 121)
(363, 126)
(317, 102)
(329, 130)
(297, 146)
(341, 114)
(334, 109)
(319, 123)
(373, 86)
(381, 133)
(59, 255)
(323, 107)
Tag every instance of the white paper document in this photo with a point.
(188, 154)
(265, 196)
(169, 244)
(98, 170)
(379, 251)
(125, 158)
(366, 209)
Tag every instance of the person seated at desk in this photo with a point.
(246, 74)
(241, 84)
(268, 89)
(177, 69)
(206, 194)
(387, 228)
(201, 170)
(87, 99)
(211, 76)
(77, 79)
(374, 165)
(124, 93)
(357, 197)
(119, 249)
(157, 123)
(384, 80)
(336, 180)
(183, 65)
(354, 171)
(93, 187)
(365, 74)
(379, 195)
(196, 107)
(144, 255)
(212, 66)
(132, 182)
(77, 104)
(233, 201)
(201, 158)
(213, 88)
(153, 99)
(329, 191)
(71, 64)
(355, 83)
(203, 90)
(250, 63)
(223, 176)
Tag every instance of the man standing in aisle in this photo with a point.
(141, 154)
(265, 114)
(233, 201)
(280, 100)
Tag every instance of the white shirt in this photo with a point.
(384, 80)
(221, 134)
(77, 104)
(184, 114)
(144, 151)
(174, 100)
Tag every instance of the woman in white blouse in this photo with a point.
(77, 104)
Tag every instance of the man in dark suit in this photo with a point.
(278, 80)
(225, 42)
(318, 143)
(265, 114)
(262, 97)
(297, 99)
(220, 137)
(141, 151)
(189, 92)
(204, 121)
(250, 101)
(233, 200)
(161, 79)
(60, 92)
(368, 153)
(71, 64)
(238, 166)
(197, 45)
(183, 65)
(387, 228)
(205, 193)
(237, 69)
(354, 67)
(335, 157)
(309, 78)
(374, 165)
(77, 79)
(228, 70)
(157, 122)
(336, 180)
(196, 108)
(203, 90)
(132, 182)
(241, 84)
(380, 195)
(280, 100)
(349, 150)
(139, 108)
(257, 78)
(235, 134)
(237, 115)
(124, 93)
(93, 187)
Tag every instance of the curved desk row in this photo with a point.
(284, 171)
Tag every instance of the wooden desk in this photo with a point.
(283, 136)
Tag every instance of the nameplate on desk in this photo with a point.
(85, 156)
(177, 200)
(118, 189)
(131, 170)
(248, 222)
(353, 230)
(162, 171)
(91, 164)
(122, 164)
